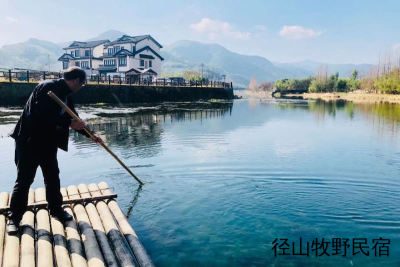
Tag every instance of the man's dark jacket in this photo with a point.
(43, 122)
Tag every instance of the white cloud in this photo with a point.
(298, 32)
(11, 19)
(215, 28)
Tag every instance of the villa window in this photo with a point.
(72, 53)
(87, 53)
(150, 64)
(110, 51)
(141, 63)
(122, 47)
(65, 65)
(76, 53)
(85, 64)
(122, 61)
(109, 62)
(77, 63)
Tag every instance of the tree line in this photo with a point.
(383, 78)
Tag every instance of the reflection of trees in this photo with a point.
(140, 133)
(380, 115)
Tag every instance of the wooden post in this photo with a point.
(44, 244)
(98, 228)
(73, 238)
(109, 79)
(164, 82)
(9, 76)
(98, 79)
(115, 237)
(93, 252)
(140, 253)
(27, 226)
(27, 76)
(44, 75)
(3, 204)
(231, 85)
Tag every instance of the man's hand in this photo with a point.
(77, 125)
(98, 139)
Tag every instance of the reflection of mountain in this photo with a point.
(140, 133)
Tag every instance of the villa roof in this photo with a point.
(148, 71)
(90, 44)
(151, 49)
(133, 39)
(65, 57)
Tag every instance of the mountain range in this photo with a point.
(211, 59)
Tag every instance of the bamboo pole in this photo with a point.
(93, 252)
(139, 251)
(44, 244)
(11, 250)
(76, 251)
(117, 240)
(27, 228)
(75, 117)
(98, 228)
(3, 203)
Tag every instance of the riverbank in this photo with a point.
(13, 94)
(356, 97)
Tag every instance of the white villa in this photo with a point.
(128, 56)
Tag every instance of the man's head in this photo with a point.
(75, 78)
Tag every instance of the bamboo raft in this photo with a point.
(99, 234)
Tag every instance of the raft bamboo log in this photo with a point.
(44, 244)
(118, 242)
(11, 250)
(139, 251)
(3, 203)
(73, 238)
(27, 228)
(98, 228)
(60, 243)
(75, 117)
(93, 252)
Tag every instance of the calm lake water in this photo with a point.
(226, 179)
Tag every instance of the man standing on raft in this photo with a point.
(43, 128)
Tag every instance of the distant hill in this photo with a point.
(107, 35)
(344, 70)
(32, 54)
(239, 68)
(214, 59)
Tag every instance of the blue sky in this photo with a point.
(350, 31)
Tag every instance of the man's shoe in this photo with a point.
(61, 215)
(12, 227)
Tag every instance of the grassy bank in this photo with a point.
(356, 97)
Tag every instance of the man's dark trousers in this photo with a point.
(28, 156)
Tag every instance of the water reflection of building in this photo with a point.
(139, 134)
